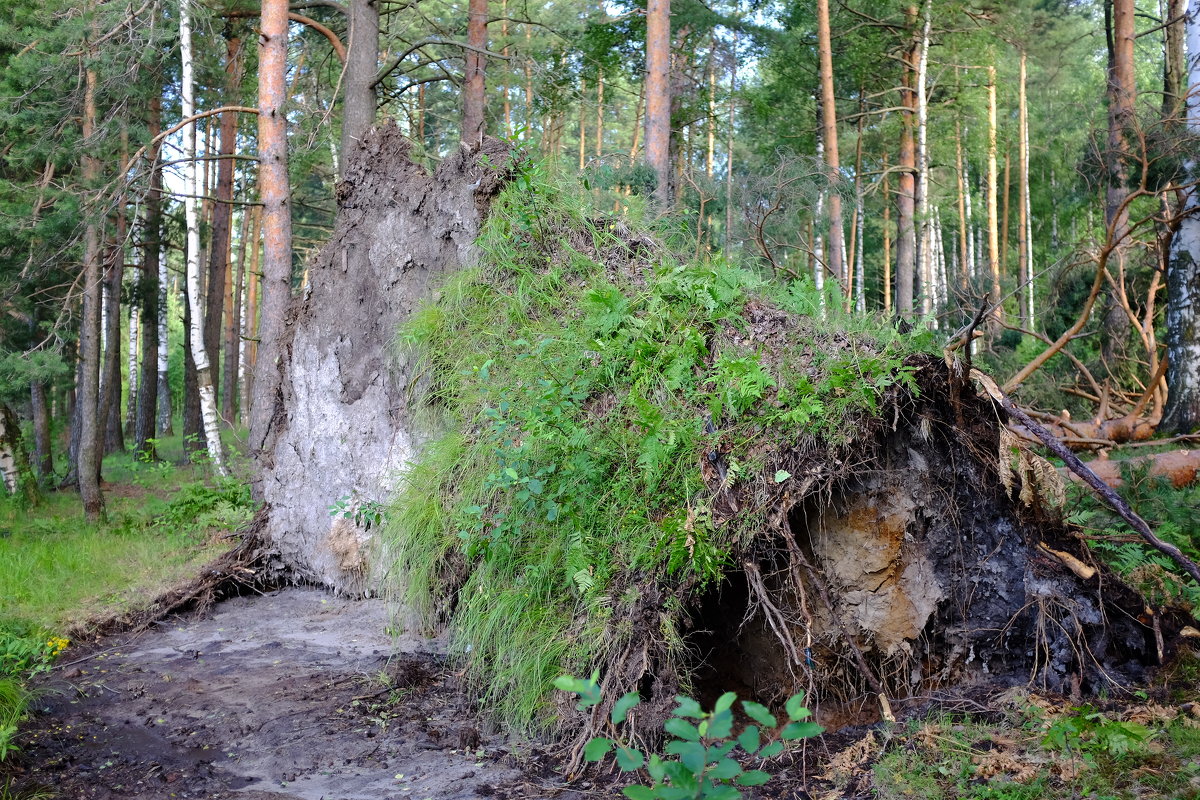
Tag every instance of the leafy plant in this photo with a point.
(363, 512)
(1088, 733)
(699, 754)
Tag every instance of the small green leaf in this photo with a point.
(568, 683)
(724, 702)
(750, 739)
(638, 793)
(771, 750)
(753, 777)
(622, 707)
(629, 759)
(759, 713)
(688, 708)
(691, 754)
(722, 793)
(801, 730)
(682, 729)
(655, 768)
(726, 769)
(795, 710)
(597, 749)
(721, 724)
(782, 475)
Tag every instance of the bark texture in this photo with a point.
(658, 98)
(342, 429)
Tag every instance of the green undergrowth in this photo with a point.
(1034, 750)
(585, 379)
(1173, 513)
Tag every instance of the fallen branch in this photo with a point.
(1089, 477)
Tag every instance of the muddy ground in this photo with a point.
(294, 694)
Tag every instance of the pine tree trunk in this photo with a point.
(250, 317)
(276, 218)
(1182, 413)
(837, 254)
(199, 350)
(729, 134)
(474, 99)
(362, 63)
(87, 466)
(887, 238)
(993, 221)
(506, 74)
(110, 383)
(963, 234)
(658, 99)
(150, 294)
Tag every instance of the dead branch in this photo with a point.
(1089, 477)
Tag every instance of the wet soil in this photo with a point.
(295, 694)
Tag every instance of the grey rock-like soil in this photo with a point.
(296, 694)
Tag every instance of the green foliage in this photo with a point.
(585, 383)
(361, 511)
(1087, 733)
(25, 651)
(224, 504)
(1173, 512)
(700, 753)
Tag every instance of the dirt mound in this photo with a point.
(693, 480)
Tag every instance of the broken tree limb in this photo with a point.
(1180, 467)
(1089, 477)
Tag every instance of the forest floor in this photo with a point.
(294, 694)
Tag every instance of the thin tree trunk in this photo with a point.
(599, 114)
(131, 362)
(906, 237)
(233, 372)
(222, 227)
(923, 234)
(474, 100)
(582, 129)
(637, 121)
(1175, 63)
(504, 87)
(421, 114)
(362, 62)
(837, 254)
(887, 239)
(820, 264)
(963, 235)
(711, 121)
(529, 118)
(1182, 413)
(860, 277)
(1004, 203)
(88, 394)
(658, 99)
(250, 316)
(110, 387)
(42, 447)
(1023, 258)
(199, 350)
(150, 294)
(1122, 94)
(993, 221)
(165, 417)
(276, 218)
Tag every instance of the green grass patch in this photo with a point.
(1041, 750)
(585, 377)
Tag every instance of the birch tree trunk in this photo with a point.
(131, 364)
(204, 384)
(1023, 257)
(165, 420)
(658, 99)
(906, 237)
(993, 221)
(1182, 414)
(923, 237)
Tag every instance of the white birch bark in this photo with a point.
(818, 225)
(164, 386)
(860, 280)
(924, 261)
(135, 317)
(1182, 412)
(208, 398)
(970, 221)
(1028, 227)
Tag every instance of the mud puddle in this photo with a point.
(296, 694)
